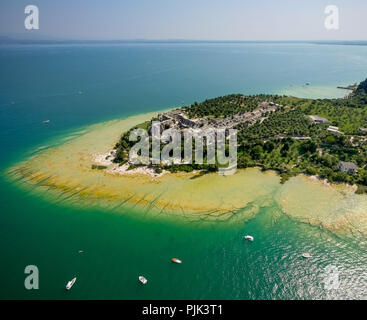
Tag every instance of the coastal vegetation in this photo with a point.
(98, 167)
(286, 138)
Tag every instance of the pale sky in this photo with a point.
(187, 19)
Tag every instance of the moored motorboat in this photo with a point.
(175, 260)
(143, 280)
(70, 284)
(249, 238)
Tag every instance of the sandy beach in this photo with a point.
(105, 159)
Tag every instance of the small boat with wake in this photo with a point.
(70, 283)
(249, 238)
(175, 260)
(143, 280)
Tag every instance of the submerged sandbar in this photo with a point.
(64, 174)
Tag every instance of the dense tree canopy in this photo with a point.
(287, 140)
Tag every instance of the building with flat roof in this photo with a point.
(334, 129)
(317, 119)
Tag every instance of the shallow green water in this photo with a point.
(39, 83)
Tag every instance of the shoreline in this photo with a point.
(113, 168)
(65, 172)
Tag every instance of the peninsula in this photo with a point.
(297, 138)
(321, 137)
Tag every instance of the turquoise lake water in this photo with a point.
(77, 85)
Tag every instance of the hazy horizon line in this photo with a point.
(28, 38)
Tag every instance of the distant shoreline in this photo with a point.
(27, 40)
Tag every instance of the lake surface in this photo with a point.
(77, 85)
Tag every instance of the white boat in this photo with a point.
(46, 121)
(249, 238)
(70, 283)
(306, 255)
(143, 280)
(175, 260)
